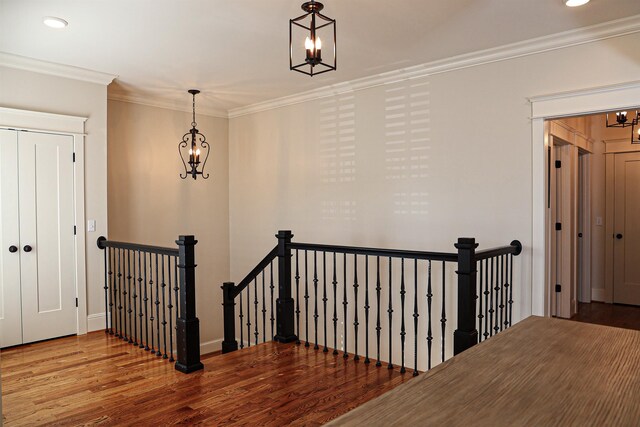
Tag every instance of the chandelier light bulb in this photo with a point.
(308, 44)
(576, 3)
(318, 43)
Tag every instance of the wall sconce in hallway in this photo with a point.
(306, 30)
(197, 143)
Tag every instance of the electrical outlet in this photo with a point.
(599, 221)
(91, 225)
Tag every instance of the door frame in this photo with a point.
(586, 101)
(35, 121)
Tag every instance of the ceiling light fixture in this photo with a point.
(54, 22)
(634, 133)
(195, 141)
(307, 30)
(623, 120)
(575, 3)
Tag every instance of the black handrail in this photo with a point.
(104, 243)
(515, 248)
(254, 273)
(394, 253)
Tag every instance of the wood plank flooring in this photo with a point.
(96, 379)
(617, 315)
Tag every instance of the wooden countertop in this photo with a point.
(539, 372)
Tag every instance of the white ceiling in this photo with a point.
(236, 51)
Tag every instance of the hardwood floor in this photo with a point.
(95, 379)
(617, 315)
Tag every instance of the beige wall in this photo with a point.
(467, 173)
(149, 203)
(38, 92)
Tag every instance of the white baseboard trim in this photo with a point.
(95, 322)
(210, 346)
(597, 294)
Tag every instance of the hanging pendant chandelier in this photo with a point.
(197, 143)
(307, 36)
(623, 120)
(635, 134)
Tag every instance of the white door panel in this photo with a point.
(46, 225)
(10, 313)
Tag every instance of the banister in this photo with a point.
(104, 243)
(515, 248)
(396, 253)
(256, 270)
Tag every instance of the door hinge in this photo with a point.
(74, 230)
(76, 302)
(558, 164)
(558, 288)
(558, 226)
(74, 157)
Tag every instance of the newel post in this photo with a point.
(466, 335)
(187, 325)
(229, 318)
(284, 304)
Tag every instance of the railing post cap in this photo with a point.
(100, 240)
(228, 285)
(518, 246)
(466, 243)
(186, 240)
(282, 234)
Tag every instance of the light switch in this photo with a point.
(91, 225)
(599, 220)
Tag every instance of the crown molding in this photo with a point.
(606, 30)
(158, 102)
(59, 70)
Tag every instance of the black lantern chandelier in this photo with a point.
(308, 28)
(623, 120)
(196, 142)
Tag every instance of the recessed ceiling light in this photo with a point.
(575, 3)
(53, 22)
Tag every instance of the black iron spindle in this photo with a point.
(315, 298)
(335, 307)
(502, 305)
(443, 319)
(487, 314)
(135, 298)
(271, 287)
(151, 318)
(140, 299)
(170, 306)
(378, 327)
(306, 300)
(297, 277)
(496, 296)
(112, 280)
(344, 302)
(119, 296)
(415, 317)
(164, 311)
(248, 316)
(264, 312)
(429, 326)
(480, 313)
(241, 316)
(128, 299)
(158, 353)
(490, 286)
(107, 274)
(366, 309)
(510, 289)
(146, 299)
(390, 311)
(355, 305)
(402, 325)
(324, 298)
(255, 308)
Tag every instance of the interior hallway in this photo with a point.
(617, 315)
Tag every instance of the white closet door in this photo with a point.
(10, 316)
(46, 226)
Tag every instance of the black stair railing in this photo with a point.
(148, 290)
(383, 287)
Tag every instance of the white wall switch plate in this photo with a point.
(599, 220)
(91, 225)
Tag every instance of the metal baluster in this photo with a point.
(119, 297)
(402, 326)
(510, 288)
(248, 316)
(164, 312)
(146, 299)
(355, 305)
(107, 274)
(158, 353)
(255, 307)
(315, 298)
(496, 288)
(140, 299)
(415, 317)
(506, 291)
(324, 298)
(366, 309)
(443, 319)
(241, 325)
(151, 318)
(480, 315)
(170, 306)
(378, 327)
(297, 277)
(271, 287)
(501, 291)
(176, 288)
(306, 300)
(490, 286)
(390, 311)
(487, 314)
(264, 312)
(429, 326)
(135, 298)
(112, 293)
(344, 302)
(128, 299)
(335, 307)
